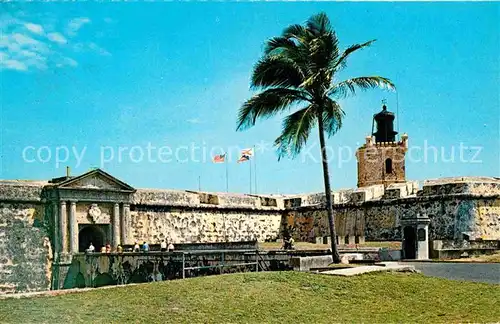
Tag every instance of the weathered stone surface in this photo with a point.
(309, 223)
(25, 249)
(96, 269)
(15, 190)
(202, 225)
(165, 197)
(372, 158)
(308, 263)
(401, 190)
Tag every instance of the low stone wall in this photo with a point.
(454, 249)
(97, 269)
(308, 263)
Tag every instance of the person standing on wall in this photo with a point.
(145, 247)
(170, 247)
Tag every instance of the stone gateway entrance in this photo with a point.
(93, 207)
(95, 234)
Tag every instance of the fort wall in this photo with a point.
(190, 225)
(25, 249)
(459, 209)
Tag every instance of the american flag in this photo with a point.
(219, 158)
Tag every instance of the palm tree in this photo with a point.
(297, 71)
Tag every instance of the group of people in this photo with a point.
(164, 247)
(105, 248)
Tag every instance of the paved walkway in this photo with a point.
(479, 272)
(383, 266)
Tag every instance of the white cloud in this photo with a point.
(26, 46)
(34, 28)
(24, 40)
(91, 47)
(28, 53)
(57, 38)
(65, 61)
(21, 52)
(98, 49)
(70, 61)
(13, 65)
(75, 24)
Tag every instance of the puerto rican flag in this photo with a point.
(244, 158)
(219, 158)
(247, 152)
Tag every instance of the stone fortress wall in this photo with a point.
(25, 247)
(189, 217)
(458, 208)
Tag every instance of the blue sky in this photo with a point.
(100, 77)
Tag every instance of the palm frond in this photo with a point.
(266, 104)
(324, 51)
(276, 71)
(276, 45)
(319, 24)
(348, 87)
(287, 47)
(342, 60)
(310, 81)
(332, 117)
(298, 32)
(295, 132)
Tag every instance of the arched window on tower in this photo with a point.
(388, 166)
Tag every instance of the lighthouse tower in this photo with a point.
(381, 160)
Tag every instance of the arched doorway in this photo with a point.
(388, 166)
(409, 242)
(91, 234)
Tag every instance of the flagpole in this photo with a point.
(227, 178)
(250, 164)
(255, 168)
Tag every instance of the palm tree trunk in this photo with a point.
(328, 193)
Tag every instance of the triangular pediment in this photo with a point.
(95, 179)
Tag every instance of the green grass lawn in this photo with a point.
(269, 297)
